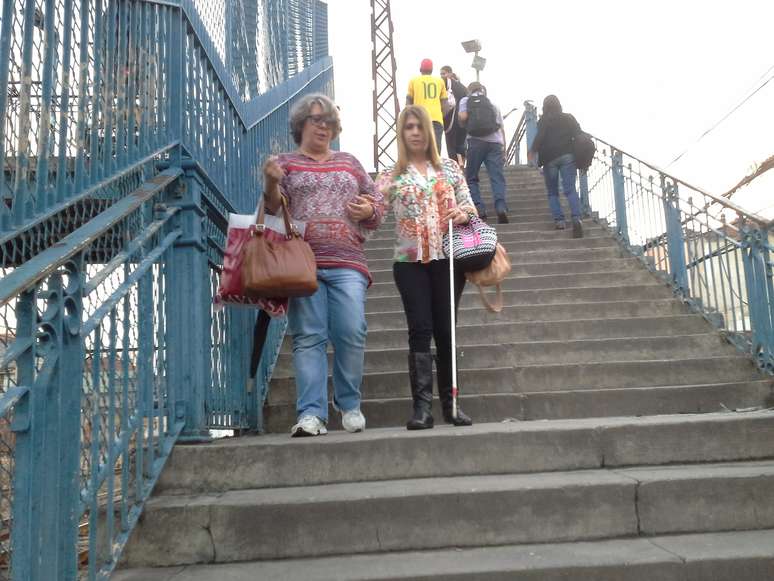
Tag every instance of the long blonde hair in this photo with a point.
(427, 128)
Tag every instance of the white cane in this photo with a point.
(451, 318)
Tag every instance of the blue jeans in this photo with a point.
(491, 155)
(564, 165)
(335, 313)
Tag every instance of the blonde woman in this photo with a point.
(425, 191)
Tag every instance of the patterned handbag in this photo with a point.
(475, 244)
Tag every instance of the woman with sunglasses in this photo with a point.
(425, 191)
(332, 193)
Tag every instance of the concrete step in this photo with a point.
(382, 516)
(513, 239)
(546, 281)
(276, 460)
(730, 556)
(522, 209)
(556, 313)
(537, 216)
(511, 377)
(387, 232)
(515, 185)
(377, 517)
(548, 268)
(526, 246)
(536, 256)
(500, 353)
(650, 291)
(586, 403)
(395, 335)
(522, 255)
(507, 233)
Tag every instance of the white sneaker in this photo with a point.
(308, 426)
(353, 421)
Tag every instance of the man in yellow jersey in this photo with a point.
(429, 92)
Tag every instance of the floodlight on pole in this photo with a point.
(478, 62)
(472, 45)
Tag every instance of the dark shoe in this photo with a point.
(443, 369)
(462, 418)
(421, 378)
(559, 225)
(577, 229)
(502, 218)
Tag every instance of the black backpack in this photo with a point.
(583, 149)
(482, 116)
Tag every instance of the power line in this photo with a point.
(727, 115)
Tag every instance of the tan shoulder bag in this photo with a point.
(492, 275)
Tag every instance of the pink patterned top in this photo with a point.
(318, 193)
(419, 203)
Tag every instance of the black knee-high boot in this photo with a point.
(443, 368)
(421, 377)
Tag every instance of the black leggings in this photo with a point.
(424, 289)
(438, 133)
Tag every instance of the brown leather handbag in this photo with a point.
(284, 268)
(492, 275)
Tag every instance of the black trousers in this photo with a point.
(438, 131)
(424, 290)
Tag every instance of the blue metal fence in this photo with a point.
(716, 255)
(125, 141)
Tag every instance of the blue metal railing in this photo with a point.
(125, 143)
(716, 255)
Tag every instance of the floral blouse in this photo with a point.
(419, 203)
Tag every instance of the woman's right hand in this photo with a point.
(273, 171)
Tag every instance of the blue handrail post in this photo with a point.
(47, 428)
(531, 119)
(760, 294)
(188, 301)
(583, 183)
(25, 528)
(176, 79)
(619, 192)
(71, 373)
(675, 237)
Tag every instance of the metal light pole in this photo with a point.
(478, 62)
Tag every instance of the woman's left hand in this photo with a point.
(361, 208)
(457, 215)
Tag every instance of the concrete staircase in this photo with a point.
(641, 470)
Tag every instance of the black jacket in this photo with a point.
(555, 133)
(459, 91)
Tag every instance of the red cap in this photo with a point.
(426, 66)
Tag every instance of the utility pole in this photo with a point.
(385, 96)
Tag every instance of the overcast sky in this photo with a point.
(648, 77)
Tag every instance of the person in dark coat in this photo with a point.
(553, 146)
(455, 133)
